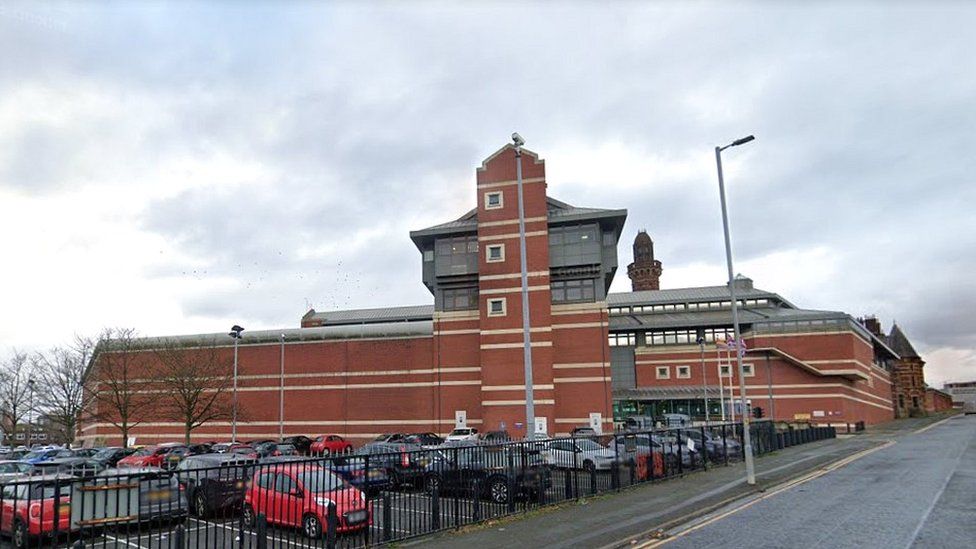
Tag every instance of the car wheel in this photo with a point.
(200, 504)
(395, 480)
(589, 466)
(432, 483)
(312, 527)
(20, 534)
(248, 515)
(498, 490)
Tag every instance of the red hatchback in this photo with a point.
(31, 505)
(150, 456)
(299, 495)
(329, 444)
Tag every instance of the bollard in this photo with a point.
(435, 509)
(633, 467)
(615, 475)
(261, 531)
(179, 536)
(332, 522)
(387, 518)
(569, 484)
(593, 481)
(476, 501)
(511, 493)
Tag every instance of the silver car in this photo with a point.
(159, 491)
(10, 470)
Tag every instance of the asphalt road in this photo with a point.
(918, 492)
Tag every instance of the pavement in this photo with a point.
(918, 492)
(643, 514)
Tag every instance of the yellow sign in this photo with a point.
(801, 416)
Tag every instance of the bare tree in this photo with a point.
(119, 382)
(15, 405)
(196, 383)
(61, 372)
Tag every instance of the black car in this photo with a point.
(214, 482)
(301, 443)
(389, 437)
(111, 455)
(424, 439)
(178, 454)
(495, 473)
(496, 437)
(404, 463)
(274, 449)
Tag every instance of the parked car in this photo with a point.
(31, 506)
(583, 432)
(74, 466)
(465, 433)
(369, 477)
(299, 495)
(643, 443)
(150, 456)
(389, 437)
(110, 456)
(489, 472)
(273, 449)
(301, 443)
(11, 470)
(580, 454)
(214, 482)
(715, 446)
(159, 491)
(427, 440)
(13, 455)
(178, 453)
(330, 444)
(404, 463)
(39, 456)
(495, 437)
(85, 452)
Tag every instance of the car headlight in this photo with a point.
(362, 496)
(324, 502)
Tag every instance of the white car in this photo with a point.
(580, 454)
(463, 434)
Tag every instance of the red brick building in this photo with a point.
(460, 360)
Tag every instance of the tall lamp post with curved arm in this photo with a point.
(235, 332)
(746, 436)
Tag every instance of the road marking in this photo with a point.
(782, 488)
(927, 427)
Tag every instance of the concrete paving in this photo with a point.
(918, 492)
(636, 515)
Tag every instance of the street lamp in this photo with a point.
(527, 341)
(281, 393)
(235, 332)
(30, 410)
(746, 436)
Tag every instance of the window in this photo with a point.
(284, 484)
(725, 370)
(747, 370)
(428, 255)
(266, 480)
(664, 372)
(684, 372)
(573, 291)
(914, 402)
(496, 253)
(574, 245)
(457, 255)
(623, 339)
(459, 299)
(496, 307)
(494, 200)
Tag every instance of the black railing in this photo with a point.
(378, 494)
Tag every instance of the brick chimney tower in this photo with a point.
(645, 271)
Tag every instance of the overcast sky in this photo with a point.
(180, 168)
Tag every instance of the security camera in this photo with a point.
(518, 139)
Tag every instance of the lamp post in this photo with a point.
(701, 347)
(527, 341)
(746, 436)
(281, 393)
(30, 411)
(235, 332)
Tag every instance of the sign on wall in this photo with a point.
(460, 419)
(596, 422)
(541, 426)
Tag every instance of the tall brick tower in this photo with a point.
(645, 271)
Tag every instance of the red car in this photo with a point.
(150, 456)
(28, 510)
(329, 444)
(299, 495)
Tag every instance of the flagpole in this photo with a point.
(728, 360)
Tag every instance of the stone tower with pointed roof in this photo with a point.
(645, 271)
(908, 376)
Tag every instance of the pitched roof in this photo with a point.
(898, 341)
(557, 210)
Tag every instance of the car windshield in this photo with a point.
(317, 481)
(145, 451)
(47, 491)
(286, 449)
(588, 445)
(461, 432)
(33, 455)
